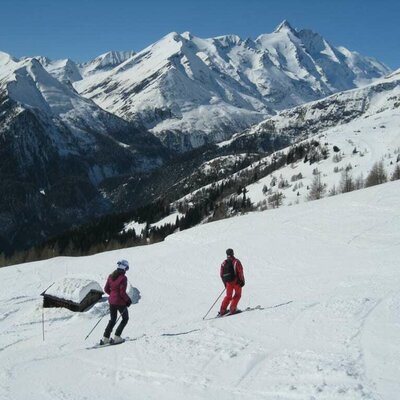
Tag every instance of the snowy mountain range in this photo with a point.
(350, 131)
(190, 91)
(80, 140)
(56, 148)
(363, 123)
(365, 103)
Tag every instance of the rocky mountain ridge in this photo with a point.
(190, 91)
(56, 147)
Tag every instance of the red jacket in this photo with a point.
(237, 266)
(116, 289)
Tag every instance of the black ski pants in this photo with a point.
(123, 310)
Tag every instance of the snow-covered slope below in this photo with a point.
(190, 91)
(324, 272)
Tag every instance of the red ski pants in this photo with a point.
(231, 298)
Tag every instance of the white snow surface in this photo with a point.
(73, 288)
(325, 272)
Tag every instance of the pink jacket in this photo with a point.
(117, 290)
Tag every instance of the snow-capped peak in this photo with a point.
(187, 35)
(228, 40)
(284, 26)
(28, 83)
(218, 86)
(185, 84)
(105, 62)
(6, 58)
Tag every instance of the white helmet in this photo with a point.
(123, 264)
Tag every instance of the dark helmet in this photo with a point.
(229, 252)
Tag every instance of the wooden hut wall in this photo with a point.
(91, 298)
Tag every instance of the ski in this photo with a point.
(240, 312)
(128, 339)
(99, 346)
(245, 310)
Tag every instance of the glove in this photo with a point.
(129, 302)
(241, 282)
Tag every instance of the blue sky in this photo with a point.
(84, 29)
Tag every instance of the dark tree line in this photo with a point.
(210, 203)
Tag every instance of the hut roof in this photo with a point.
(73, 289)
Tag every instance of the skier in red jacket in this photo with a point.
(233, 278)
(119, 302)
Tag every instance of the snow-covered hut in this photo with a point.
(76, 294)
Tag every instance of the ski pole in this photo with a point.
(95, 326)
(43, 322)
(214, 303)
(120, 315)
(101, 319)
(42, 294)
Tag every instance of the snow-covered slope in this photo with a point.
(337, 109)
(360, 145)
(362, 124)
(105, 62)
(190, 90)
(350, 130)
(66, 71)
(324, 272)
(30, 85)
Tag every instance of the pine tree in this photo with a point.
(396, 173)
(377, 175)
(276, 200)
(317, 189)
(2, 260)
(333, 191)
(346, 182)
(359, 182)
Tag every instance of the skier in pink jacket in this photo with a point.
(119, 302)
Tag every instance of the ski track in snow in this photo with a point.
(326, 277)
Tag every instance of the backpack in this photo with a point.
(228, 272)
